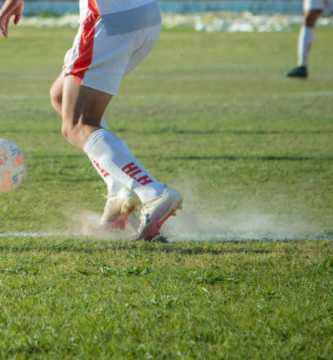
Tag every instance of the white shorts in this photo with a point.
(318, 5)
(99, 60)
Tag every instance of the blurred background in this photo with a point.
(202, 15)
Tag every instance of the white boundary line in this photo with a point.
(35, 235)
(182, 237)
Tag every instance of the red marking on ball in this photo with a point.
(19, 160)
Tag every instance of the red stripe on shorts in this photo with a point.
(86, 47)
(92, 6)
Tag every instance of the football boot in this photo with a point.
(299, 72)
(118, 208)
(156, 211)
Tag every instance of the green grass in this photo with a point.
(87, 300)
(212, 115)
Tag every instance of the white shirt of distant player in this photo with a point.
(318, 5)
(112, 6)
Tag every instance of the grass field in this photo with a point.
(212, 115)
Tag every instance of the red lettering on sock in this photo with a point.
(103, 172)
(132, 170)
(129, 168)
(144, 180)
(96, 163)
(132, 175)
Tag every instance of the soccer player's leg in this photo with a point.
(82, 109)
(56, 97)
(93, 76)
(155, 211)
(58, 85)
(121, 201)
(56, 93)
(312, 12)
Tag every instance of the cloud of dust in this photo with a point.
(242, 224)
(86, 224)
(187, 225)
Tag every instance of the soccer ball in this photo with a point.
(12, 166)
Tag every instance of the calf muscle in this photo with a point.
(82, 111)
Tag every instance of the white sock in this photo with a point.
(305, 41)
(111, 155)
(113, 184)
(104, 125)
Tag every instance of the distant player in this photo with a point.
(312, 11)
(113, 38)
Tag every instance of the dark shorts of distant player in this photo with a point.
(319, 5)
(100, 61)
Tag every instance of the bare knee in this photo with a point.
(66, 129)
(70, 130)
(311, 17)
(75, 130)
